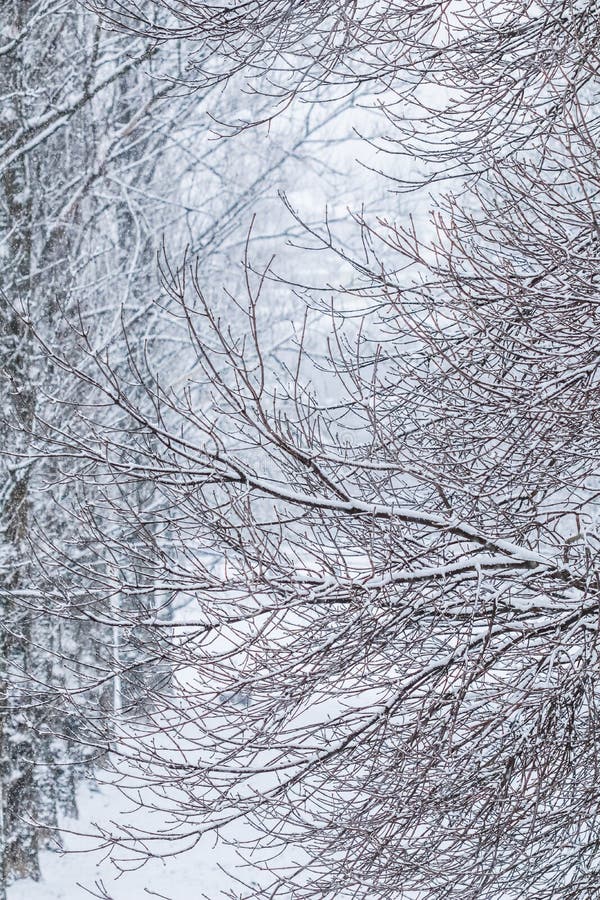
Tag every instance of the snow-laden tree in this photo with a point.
(103, 159)
(60, 75)
(387, 532)
(89, 180)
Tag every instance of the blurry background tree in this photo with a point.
(60, 77)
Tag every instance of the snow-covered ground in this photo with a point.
(81, 873)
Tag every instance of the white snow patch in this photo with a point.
(79, 873)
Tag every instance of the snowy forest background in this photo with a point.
(300, 439)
